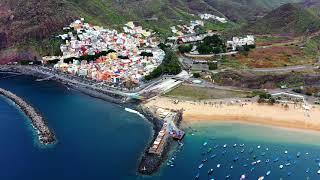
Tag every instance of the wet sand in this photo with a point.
(274, 115)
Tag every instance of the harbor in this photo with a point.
(166, 123)
(46, 136)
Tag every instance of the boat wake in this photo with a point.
(134, 112)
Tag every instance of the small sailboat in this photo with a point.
(288, 164)
(259, 161)
(236, 159)
(261, 178)
(210, 171)
(298, 154)
(267, 160)
(308, 170)
(281, 166)
(231, 167)
(241, 145)
(243, 177)
(235, 145)
(318, 172)
(254, 157)
(286, 152)
(197, 176)
(259, 147)
(224, 146)
(268, 173)
(200, 166)
(228, 176)
(218, 165)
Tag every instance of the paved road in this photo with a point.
(284, 69)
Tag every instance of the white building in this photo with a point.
(239, 42)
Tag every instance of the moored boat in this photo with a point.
(268, 173)
(200, 166)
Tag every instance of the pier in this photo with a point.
(45, 134)
(166, 123)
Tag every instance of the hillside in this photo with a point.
(26, 26)
(247, 10)
(289, 19)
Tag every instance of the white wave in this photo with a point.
(134, 112)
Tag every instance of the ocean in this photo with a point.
(99, 140)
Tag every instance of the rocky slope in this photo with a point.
(289, 20)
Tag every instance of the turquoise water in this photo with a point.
(99, 140)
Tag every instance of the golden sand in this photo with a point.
(275, 115)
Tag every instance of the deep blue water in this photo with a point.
(99, 140)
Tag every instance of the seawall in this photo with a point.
(46, 136)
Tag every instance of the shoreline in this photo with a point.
(45, 135)
(293, 117)
(156, 162)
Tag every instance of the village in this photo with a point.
(108, 56)
(123, 59)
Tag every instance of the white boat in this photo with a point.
(268, 173)
(205, 143)
(261, 178)
(281, 166)
(243, 177)
(200, 166)
(318, 172)
(218, 165)
(288, 164)
(259, 147)
(286, 152)
(224, 146)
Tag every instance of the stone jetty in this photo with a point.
(46, 136)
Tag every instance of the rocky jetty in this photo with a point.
(46, 136)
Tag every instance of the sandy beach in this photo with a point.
(274, 115)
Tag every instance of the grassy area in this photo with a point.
(278, 56)
(199, 93)
(269, 40)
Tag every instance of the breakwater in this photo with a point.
(150, 163)
(45, 134)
